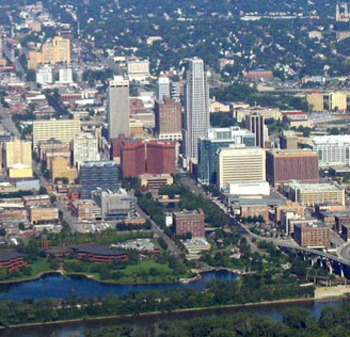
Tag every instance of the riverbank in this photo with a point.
(198, 275)
(33, 278)
(153, 314)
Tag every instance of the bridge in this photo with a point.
(341, 265)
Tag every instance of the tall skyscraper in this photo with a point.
(118, 108)
(163, 88)
(196, 121)
(256, 124)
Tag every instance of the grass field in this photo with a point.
(40, 266)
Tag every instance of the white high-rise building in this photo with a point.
(239, 164)
(66, 75)
(85, 148)
(44, 75)
(196, 121)
(118, 108)
(163, 88)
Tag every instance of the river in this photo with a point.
(60, 287)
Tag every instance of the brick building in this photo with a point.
(12, 260)
(133, 158)
(153, 157)
(285, 165)
(168, 118)
(190, 222)
(316, 236)
(161, 156)
(99, 253)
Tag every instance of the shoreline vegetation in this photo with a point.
(198, 276)
(175, 311)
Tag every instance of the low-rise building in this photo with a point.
(192, 222)
(85, 209)
(312, 194)
(60, 168)
(13, 214)
(115, 205)
(43, 214)
(154, 182)
(12, 260)
(37, 200)
(99, 253)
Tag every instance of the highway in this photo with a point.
(292, 245)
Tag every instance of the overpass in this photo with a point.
(338, 262)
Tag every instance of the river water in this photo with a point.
(57, 286)
(60, 287)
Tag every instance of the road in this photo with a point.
(7, 122)
(172, 248)
(110, 64)
(344, 252)
(67, 217)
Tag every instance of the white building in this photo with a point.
(138, 70)
(65, 75)
(240, 164)
(85, 148)
(163, 87)
(332, 150)
(44, 75)
(249, 189)
(196, 119)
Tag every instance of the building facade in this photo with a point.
(239, 164)
(163, 88)
(168, 119)
(18, 152)
(312, 236)
(312, 194)
(256, 124)
(196, 121)
(208, 147)
(98, 174)
(60, 168)
(154, 157)
(133, 158)
(285, 165)
(64, 130)
(118, 108)
(115, 205)
(190, 222)
(160, 157)
(85, 148)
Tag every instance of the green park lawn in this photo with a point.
(146, 271)
(40, 266)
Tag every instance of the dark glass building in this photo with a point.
(98, 174)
